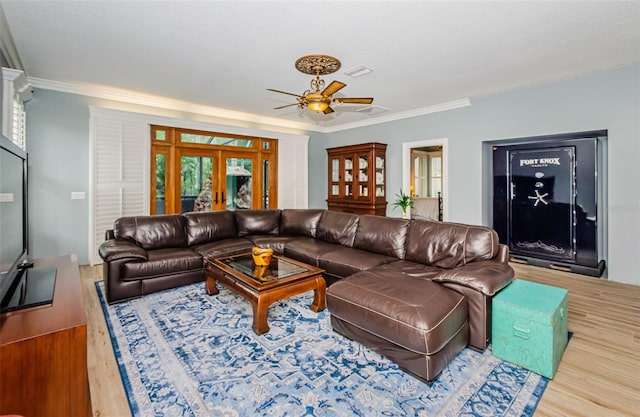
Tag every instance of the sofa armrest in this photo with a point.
(113, 249)
(503, 253)
(488, 276)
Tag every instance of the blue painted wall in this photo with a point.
(58, 147)
(608, 100)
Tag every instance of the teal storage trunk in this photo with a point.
(530, 326)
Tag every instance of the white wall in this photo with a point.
(608, 101)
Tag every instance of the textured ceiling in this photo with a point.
(225, 54)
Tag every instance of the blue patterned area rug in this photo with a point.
(183, 353)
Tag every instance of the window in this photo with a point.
(208, 139)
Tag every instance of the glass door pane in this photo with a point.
(195, 183)
(239, 183)
(160, 183)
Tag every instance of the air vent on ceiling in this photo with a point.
(358, 71)
(372, 109)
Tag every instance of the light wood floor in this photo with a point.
(599, 375)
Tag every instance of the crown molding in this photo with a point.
(450, 105)
(134, 97)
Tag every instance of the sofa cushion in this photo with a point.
(224, 247)
(337, 227)
(153, 232)
(162, 262)
(482, 243)
(308, 250)
(300, 222)
(277, 243)
(209, 226)
(487, 277)
(384, 235)
(257, 222)
(343, 262)
(411, 269)
(419, 315)
(449, 245)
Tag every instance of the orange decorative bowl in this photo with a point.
(262, 256)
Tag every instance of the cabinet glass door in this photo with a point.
(363, 175)
(380, 167)
(348, 176)
(335, 176)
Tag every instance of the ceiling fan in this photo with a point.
(315, 99)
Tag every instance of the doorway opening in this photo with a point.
(424, 177)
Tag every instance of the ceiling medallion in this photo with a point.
(317, 64)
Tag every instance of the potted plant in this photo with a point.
(403, 201)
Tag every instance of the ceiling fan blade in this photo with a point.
(284, 92)
(355, 100)
(286, 105)
(328, 110)
(333, 87)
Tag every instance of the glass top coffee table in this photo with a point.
(264, 285)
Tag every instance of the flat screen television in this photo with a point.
(21, 285)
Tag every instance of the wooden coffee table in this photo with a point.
(262, 286)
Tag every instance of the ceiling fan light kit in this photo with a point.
(317, 102)
(315, 99)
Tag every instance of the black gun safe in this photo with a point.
(545, 201)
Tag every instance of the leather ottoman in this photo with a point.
(414, 322)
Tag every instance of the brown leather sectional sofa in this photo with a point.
(416, 291)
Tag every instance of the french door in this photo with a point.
(205, 171)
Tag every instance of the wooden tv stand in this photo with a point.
(43, 351)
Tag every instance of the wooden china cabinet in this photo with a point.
(357, 176)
